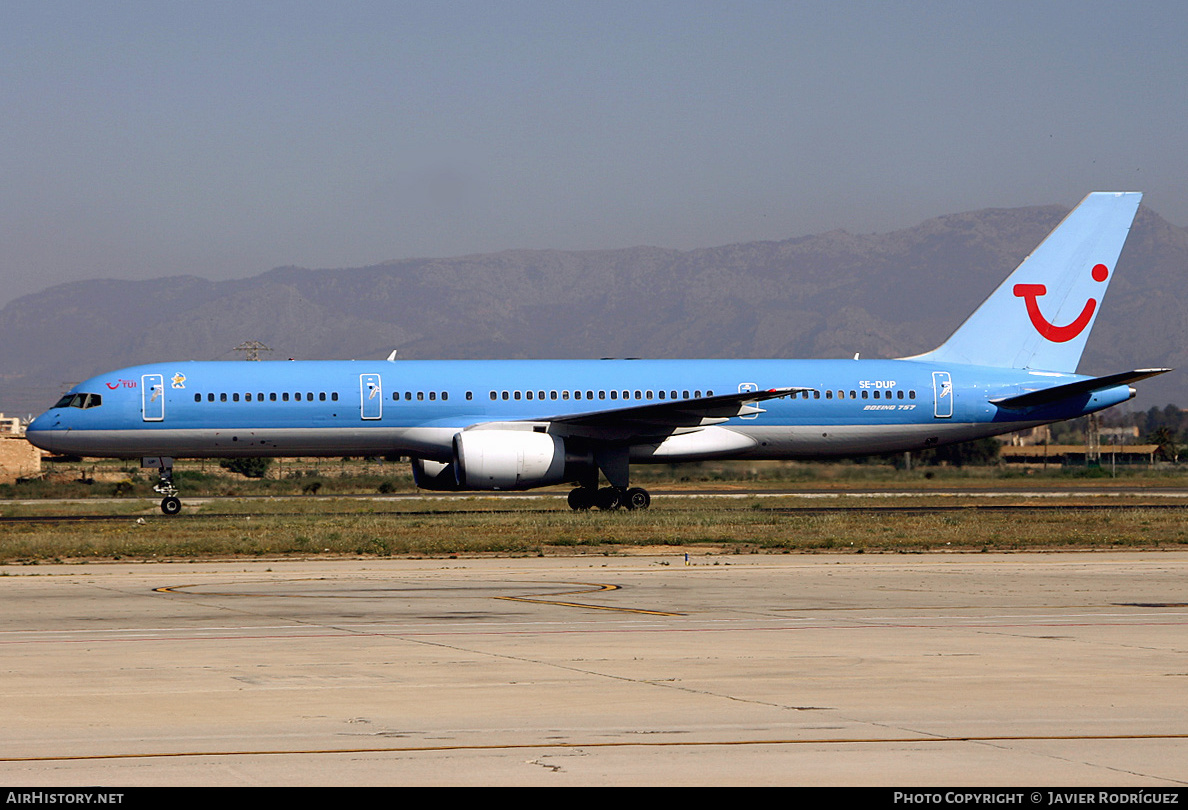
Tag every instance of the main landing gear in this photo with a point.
(614, 463)
(608, 498)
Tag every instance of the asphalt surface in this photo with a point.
(894, 670)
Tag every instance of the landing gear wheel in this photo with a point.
(581, 499)
(609, 498)
(636, 498)
(171, 505)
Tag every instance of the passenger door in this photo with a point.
(942, 395)
(371, 396)
(152, 397)
(742, 389)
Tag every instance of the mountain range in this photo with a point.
(834, 294)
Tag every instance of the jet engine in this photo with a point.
(434, 475)
(508, 459)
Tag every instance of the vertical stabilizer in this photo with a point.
(1040, 317)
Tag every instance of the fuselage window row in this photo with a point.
(93, 400)
(297, 396)
(578, 394)
(421, 396)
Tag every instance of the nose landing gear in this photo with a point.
(170, 504)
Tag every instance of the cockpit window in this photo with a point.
(80, 401)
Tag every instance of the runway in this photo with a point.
(900, 670)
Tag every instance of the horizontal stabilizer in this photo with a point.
(1046, 396)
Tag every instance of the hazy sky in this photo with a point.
(221, 139)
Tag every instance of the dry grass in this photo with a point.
(461, 526)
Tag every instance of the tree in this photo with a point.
(1165, 439)
(978, 451)
(247, 467)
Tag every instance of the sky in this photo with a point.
(222, 139)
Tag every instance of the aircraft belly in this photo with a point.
(203, 443)
(828, 441)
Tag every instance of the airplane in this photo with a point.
(474, 425)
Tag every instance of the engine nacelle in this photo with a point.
(434, 475)
(508, 459)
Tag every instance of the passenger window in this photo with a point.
(829, 394)
(222, 397)
(433, 396)
(210, 397)
(564, 395)
(445, 395)
(469, 395)
(197, 397)
(285, 396)
(420, 396)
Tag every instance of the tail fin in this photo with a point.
(1041, 315)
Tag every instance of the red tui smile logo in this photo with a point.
(1030, 293)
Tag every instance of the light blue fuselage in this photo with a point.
(415, 408)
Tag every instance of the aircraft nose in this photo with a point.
(40, 431)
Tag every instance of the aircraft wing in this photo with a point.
(1046, 396)
(662, 418)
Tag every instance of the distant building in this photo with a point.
(1119, 435)
(18, 458)
(1026, 438)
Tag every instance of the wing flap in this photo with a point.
(662, 418)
